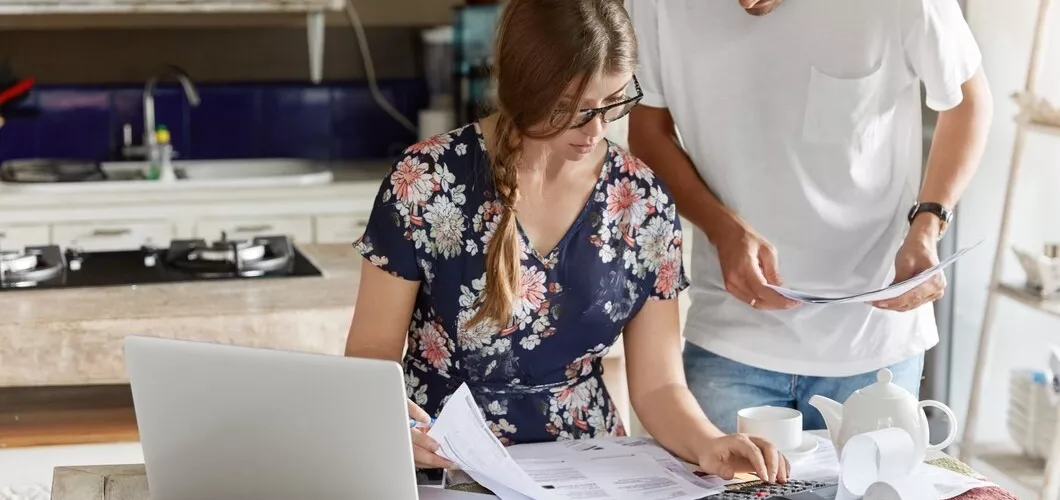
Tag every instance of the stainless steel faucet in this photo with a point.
(149, 140)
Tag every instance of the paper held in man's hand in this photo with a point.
(885, 293)
(633, 469)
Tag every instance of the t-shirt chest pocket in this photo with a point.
(843, 110)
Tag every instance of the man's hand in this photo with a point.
(917, 253)
(748, 263)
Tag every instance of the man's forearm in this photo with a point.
(658, 148)
(956, 150)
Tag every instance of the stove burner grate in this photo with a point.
(33, 266)
(229, 258)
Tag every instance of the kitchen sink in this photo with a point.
(191, 174)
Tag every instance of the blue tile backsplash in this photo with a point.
(337, 121)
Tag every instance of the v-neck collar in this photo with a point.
(573, 228)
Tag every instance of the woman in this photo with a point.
(521, 246)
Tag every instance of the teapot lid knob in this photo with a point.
(884, 388)
(884, 376)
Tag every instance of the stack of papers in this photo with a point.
(885, 293)
(597, 468)
(616, 468)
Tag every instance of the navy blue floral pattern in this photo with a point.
(537, 378)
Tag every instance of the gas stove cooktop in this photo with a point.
(182, 261)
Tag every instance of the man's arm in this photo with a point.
(653, 139)
(956, 149)
(747, 260)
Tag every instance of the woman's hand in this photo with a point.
(729, 455)
(423, 447)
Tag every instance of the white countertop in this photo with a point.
(73, 336)
(350, 179)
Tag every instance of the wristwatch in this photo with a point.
(944, 214)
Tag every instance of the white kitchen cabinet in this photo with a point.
(299, 228)
(112, 235)
(340, 228)
(21, 236)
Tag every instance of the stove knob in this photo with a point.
(73, 259)
(150, 260)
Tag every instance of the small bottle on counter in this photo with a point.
(161, 157)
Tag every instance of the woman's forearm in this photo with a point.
(673, 417)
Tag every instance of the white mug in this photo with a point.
(780, 426)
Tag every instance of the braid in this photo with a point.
(502, 252)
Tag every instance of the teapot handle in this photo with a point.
(951, 420)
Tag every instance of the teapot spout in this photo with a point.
(832, 412)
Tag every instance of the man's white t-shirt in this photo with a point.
(807, 123)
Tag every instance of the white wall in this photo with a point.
(1004, 31)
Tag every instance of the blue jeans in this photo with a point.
(722, 386)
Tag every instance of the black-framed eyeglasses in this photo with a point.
(608, 113)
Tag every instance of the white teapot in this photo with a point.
(880, 406)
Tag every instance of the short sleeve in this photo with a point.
(644, 14)
(940, 49)
(387, 241)
(670, 279)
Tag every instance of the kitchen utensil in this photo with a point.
(17, 91)
(14, 92)
(879, 406)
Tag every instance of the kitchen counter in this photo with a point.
(74, 336)
(350, 179)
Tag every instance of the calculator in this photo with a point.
(792, 490)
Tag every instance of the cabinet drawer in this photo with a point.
(19, 237)
(341, 228)
(299, 229)
(108, 236)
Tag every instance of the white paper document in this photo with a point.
(620, 446)
(821, 465)
(466, 440)
(603, 475)
(577, 469)
(885, 293)
(947, 483)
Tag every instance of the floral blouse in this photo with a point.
(538, 378)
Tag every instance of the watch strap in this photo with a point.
(944, 214)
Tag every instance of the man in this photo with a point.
(799, 159)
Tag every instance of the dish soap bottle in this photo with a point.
(161, 157)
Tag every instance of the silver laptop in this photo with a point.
(221, 422)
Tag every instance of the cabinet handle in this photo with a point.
(253, 229)
(110, 233)
(360, 223)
